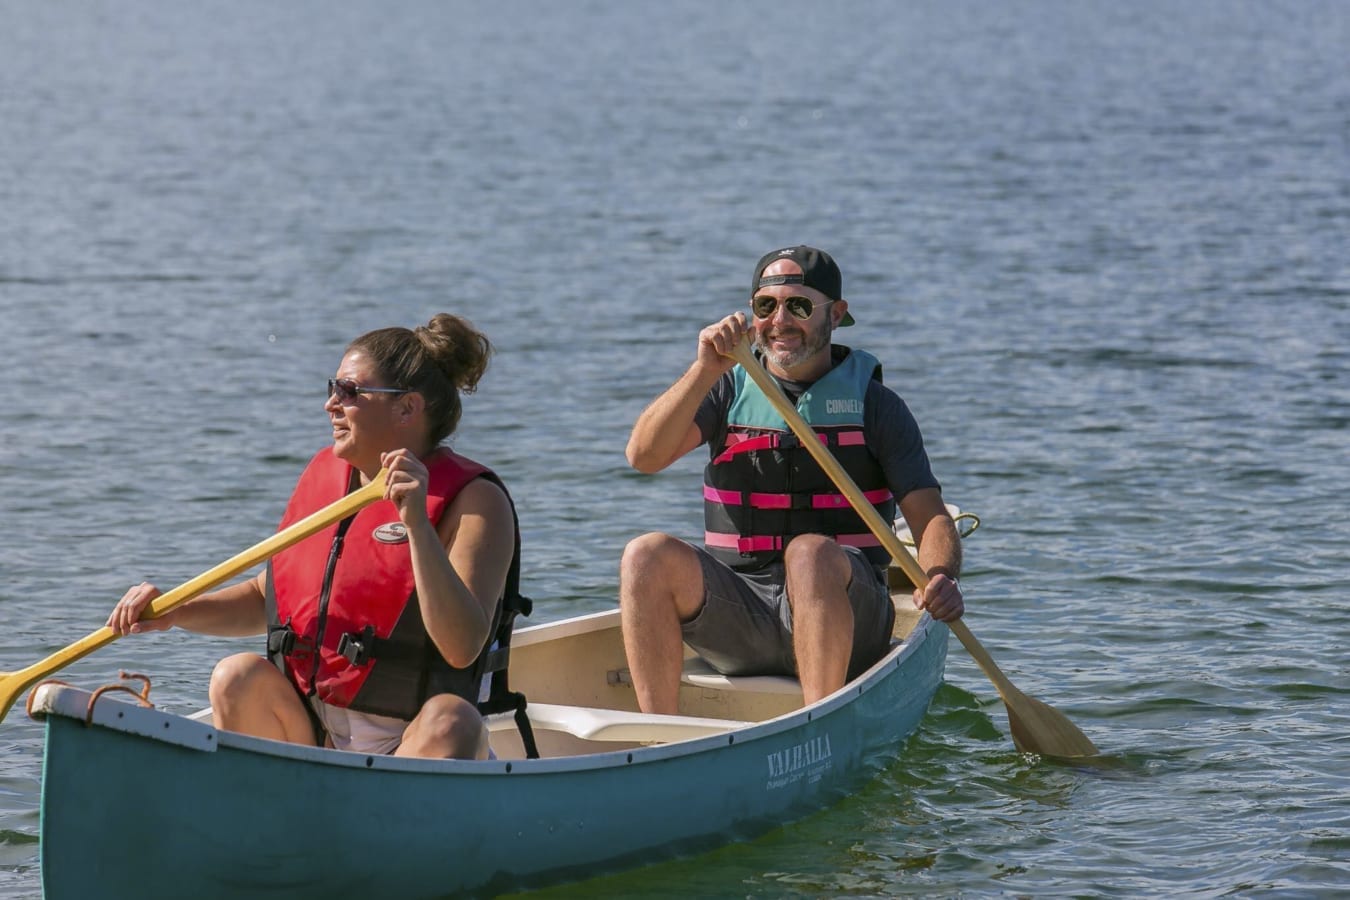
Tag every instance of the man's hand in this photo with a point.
(942, 598)
(716, 342)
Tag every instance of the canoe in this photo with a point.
(141, 802)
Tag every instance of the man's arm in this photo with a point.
(667, 430)
(934, 532)
(899, 447)
(939, 546)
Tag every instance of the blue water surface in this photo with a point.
(1101, 249)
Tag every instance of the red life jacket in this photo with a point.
(349, 591)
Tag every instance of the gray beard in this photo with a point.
(812, 343)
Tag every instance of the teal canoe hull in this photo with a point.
(152, 805)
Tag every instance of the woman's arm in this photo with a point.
(235, 611)
(461, 569)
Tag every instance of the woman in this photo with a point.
(399, 599)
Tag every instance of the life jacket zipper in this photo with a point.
(334, 553)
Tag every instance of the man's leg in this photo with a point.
(818, 572)
(660, 586)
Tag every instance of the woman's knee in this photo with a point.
(240, 675)
(448, 725)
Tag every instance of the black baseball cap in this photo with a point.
(818, 271)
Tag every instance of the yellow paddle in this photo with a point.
(1036, 727)
(12, 684)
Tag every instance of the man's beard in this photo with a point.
(812, 343)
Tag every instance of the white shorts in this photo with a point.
(360, 732)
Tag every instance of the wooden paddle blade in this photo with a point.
(1036, 727)
(14, 683)
(1040, 728)
(11, 686)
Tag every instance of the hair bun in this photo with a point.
(460, 350)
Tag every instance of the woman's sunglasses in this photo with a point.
(803, 308)
(346, 389)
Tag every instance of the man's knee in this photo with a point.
(655, 547)
(657, 556)
(658, 570)
(816, 554)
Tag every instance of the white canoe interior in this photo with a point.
(581, 701)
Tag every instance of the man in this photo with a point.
(788, 580)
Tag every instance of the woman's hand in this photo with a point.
(406, 485)
(125, 617)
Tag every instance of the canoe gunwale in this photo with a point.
(158, 725)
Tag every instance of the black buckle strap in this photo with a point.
(361, 648)
(283, 640)
(280, 641)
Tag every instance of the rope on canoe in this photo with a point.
(142, 696)
(964, 531)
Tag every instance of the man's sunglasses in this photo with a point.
(803, 308)
(346, 389)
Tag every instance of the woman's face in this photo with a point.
(365, 422)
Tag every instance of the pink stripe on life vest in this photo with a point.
(784, 501)
(756, 544)
(739, 443)
(757, 500)
(763, 542)
(728, 498)
(838, 501)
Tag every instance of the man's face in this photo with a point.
(789, 341)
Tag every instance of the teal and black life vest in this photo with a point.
(348, 592)
(762, 489)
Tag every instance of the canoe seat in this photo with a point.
(698, 673)
(593, 724)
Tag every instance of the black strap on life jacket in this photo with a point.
(496, 661)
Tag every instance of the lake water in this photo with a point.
(1103, 250)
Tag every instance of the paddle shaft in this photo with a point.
(15, 683)
(1045, 733)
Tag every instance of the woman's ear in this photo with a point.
(409, 405)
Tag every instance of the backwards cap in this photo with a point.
(818, 271)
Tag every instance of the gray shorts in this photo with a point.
(745, 626)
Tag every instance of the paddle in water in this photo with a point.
(12, 684)
(1036, 727)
